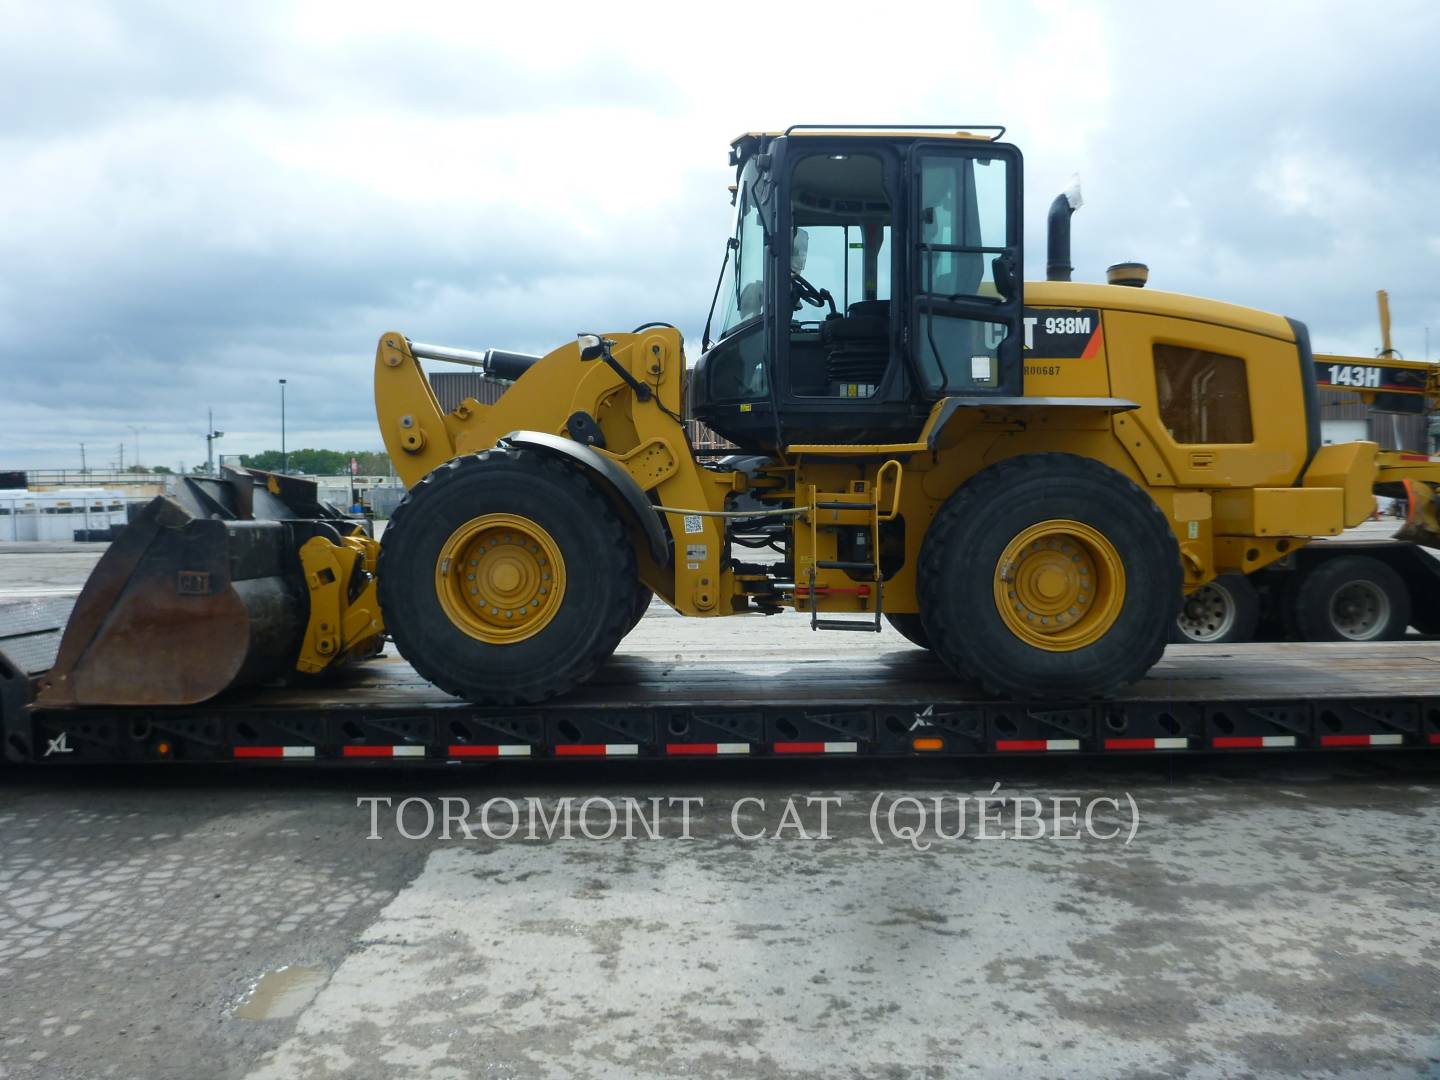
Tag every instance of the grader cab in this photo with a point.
(1025, 477)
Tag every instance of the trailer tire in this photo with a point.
(1351, 598)
(1049, 575)
(1223, 611)
(909, 626)
(562, 583)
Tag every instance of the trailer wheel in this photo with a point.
(1049, 575)
(506, 578)
(1352, 598)
(910, 628)
(1225, 610)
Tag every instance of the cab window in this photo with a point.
(964, 225)
(840, 256)
(1204, 397)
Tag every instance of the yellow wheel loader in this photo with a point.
(1025, 477)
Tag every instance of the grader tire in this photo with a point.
(506, 578)
(1049, 575)
(909, 626)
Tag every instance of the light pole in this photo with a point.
(284, 458)
(136, 432)
(210, 436)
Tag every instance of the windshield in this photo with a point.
(743, 295)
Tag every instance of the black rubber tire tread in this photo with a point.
(1247, 614)
(909, 626)
(600, 577)
(643, 595)
(1308, 595)
(963, 546)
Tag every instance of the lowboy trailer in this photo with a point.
(902, 703)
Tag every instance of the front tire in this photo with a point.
(1049, 575)
(506, 578)
(909, 627)
(643, 595)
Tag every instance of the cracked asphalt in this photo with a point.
(1272, 917)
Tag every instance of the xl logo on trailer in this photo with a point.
(58, 745)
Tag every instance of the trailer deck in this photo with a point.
(749, 699)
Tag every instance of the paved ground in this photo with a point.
(1270, 917)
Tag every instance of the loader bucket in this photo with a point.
(194, 596)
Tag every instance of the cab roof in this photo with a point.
(978, 132)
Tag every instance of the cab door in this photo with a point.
(965, 275)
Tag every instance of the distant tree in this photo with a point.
(320, 462)
(269, 461)
(373, 462)
(163, 470)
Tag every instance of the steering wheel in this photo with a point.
(802, 290)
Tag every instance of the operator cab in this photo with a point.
(869, 275)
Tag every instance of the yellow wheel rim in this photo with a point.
(1059, 585)
(500, 578)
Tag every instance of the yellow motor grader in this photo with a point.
(1025, 477)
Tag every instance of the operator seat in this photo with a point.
(857, 344)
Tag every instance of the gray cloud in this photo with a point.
(195, 207)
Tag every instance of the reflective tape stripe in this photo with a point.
(817, 747)
(1037, 744)
(383, 751)
(1147, 744)
(496, 750)
(597, 750)
(1251, 742)
(274, 751)
(705, 749)
(1361, 740)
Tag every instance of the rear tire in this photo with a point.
(910, 627)
(1223, 611)
(561, 577)
(1352, 598)
(1049, 575)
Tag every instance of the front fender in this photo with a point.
(619, 481)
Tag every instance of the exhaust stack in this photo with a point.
(1057, 260)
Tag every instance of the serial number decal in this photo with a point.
(1062, 333)
(1042, 369)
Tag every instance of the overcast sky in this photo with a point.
(197, 200)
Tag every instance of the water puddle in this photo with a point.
(281, 994)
